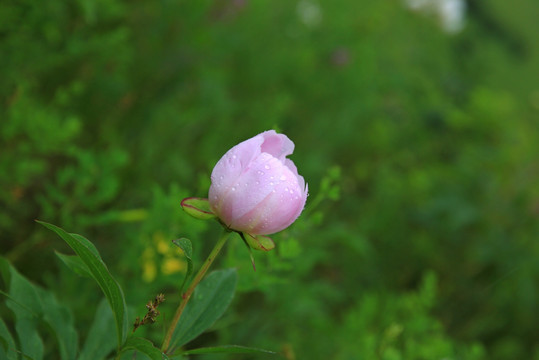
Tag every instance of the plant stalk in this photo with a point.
(187, 294)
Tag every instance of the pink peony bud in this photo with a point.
(255, 189)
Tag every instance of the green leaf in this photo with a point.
(75, 263)
(98, 270)
(87, 243)
(18, 303)
(187, 247)
(198, 208)
(7, 344)
(5, 272)
(25, 305)
(32, 304)
(209, 301)
(99, 343)
(61, 322)
(31, 343)
(144, 346)
(228, 349)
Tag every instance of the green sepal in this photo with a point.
(259, 242)
(198, 208)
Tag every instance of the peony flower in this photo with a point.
(255, 189)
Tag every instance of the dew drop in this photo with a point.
(233, 188)
(271, 183)
(259, 172)
(234, 156)
(285, 189)
(221, 177)
(257, 182)
(267, 167)
(282, 178)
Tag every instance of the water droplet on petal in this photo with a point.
(233, 188)
(267, 167)
(271, 183)
(259, 172)
(234, 156)
(282, 178)
(221, 177)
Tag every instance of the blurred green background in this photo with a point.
(419, 141)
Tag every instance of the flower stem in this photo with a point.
(187, 294)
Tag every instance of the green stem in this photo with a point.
(187, 294)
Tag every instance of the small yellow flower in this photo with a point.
(172, 265)
(149, 271)
(163, 246)
(161, 252)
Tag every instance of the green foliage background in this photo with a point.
(421, 148)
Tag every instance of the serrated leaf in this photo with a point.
(98, 270)
(228, 349)
(209, 301)
(99, 343)
(198, 208)
(187, 248)
(75, 263)
(144, 346)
